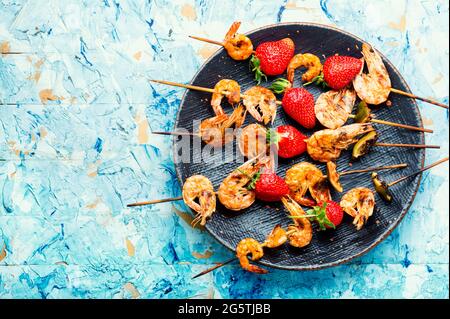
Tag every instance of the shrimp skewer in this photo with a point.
(327, 145)
(217, 130)
(375, 86)
(249, 246)
(198, 194)
(238, 46)
(208, 90)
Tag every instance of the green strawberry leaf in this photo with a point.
(319, 214)
(280, 85)
(252, 183)
(255, 66)
(318, 80)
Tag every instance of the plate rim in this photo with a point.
(404, 211)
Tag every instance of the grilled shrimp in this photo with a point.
(214, 131)
(332, 108)
(359, 203)
(252, 140)
(250, 246)
(305, 177)
(300, 233)
(233, 192)
(233, 91)
(276, 238)
(198, 194)
(236, 119)
(238, 46)
(375, 86)
(211, 130)
(307, 60)
(326, 145)
(261, 103)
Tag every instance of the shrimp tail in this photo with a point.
(233, 29)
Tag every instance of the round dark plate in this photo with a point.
(328, 248)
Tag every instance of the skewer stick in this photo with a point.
(419, 98)
(203, 89)
(156, 201)
(206, 40)
(371, 169)
(231, 260)
(15, 53)
(176, 133)
(406, 145)
(418, 172)
(186, 86)
(204, 272)
(409, 127)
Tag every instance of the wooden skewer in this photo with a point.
(186, 86)
(406, 145)
(156, 201)
(214, 267)
(409, 127)
(371, 169)
(203, 89)
(418, 172)
(176, 133)
(15, 53)
(206, 40)
(419, 98)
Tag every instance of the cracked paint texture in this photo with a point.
(75, 117)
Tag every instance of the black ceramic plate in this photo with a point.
(331, 247)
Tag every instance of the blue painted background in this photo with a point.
(77, 148)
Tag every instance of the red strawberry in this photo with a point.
(329, 214)
(272, 58)
(289, 140)
(339, 71)
(270, 187)
(298, 103)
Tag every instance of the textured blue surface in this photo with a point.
(78, 149)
